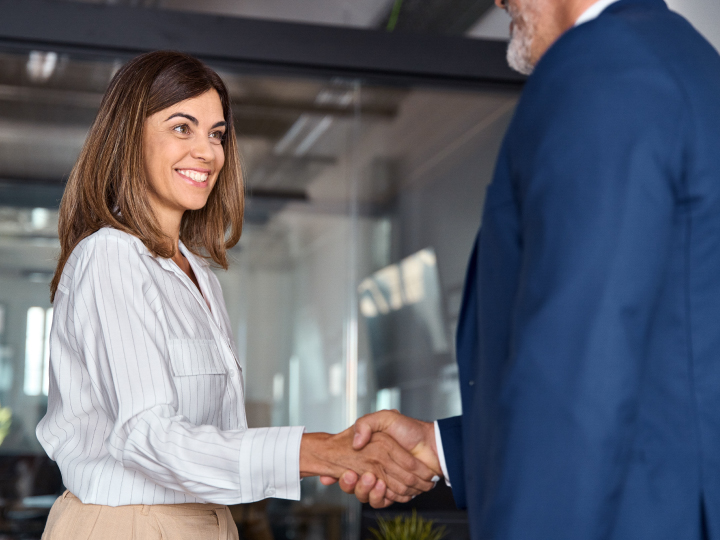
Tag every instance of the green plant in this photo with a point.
(394, 14)
(5, 422)
(407, 528)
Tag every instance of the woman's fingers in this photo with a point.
(381, 473)
(401, 469)
(409, 462)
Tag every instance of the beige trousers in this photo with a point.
(70, 519)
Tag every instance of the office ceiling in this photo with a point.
(473, 18)
(436, 16)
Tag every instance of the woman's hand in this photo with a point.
(399, 475)
(415, 436)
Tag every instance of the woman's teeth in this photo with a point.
(194, 175)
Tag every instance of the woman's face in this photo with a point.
(182, 148)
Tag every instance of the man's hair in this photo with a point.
(107, 186)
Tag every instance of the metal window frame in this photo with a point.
(257, 45)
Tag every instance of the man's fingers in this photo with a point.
(365, 485)
(327, 480)
(377, 495)
(393, 497)
(363, 433)
(369, 424)
(348, 481)
(401, 488)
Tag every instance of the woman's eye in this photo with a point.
(183, 129)
(217, 136)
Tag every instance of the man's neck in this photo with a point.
(574, 9)
(595, 9)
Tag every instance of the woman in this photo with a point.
(145, 409)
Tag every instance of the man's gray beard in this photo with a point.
(519, 52)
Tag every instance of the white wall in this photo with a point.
(703, 14)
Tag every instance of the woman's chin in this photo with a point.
(195, 204)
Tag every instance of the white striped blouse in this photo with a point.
(145, 401)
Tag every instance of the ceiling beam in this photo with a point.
(279, 47)
(453, 17)
(23, 193)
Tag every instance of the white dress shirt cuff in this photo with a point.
(270, 463)
(441, 454)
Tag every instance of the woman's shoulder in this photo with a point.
(108, 241)
(108, 265)
(106, 249)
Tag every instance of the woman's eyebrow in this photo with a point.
(183, 115)
(194, 120)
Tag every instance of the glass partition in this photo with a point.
(344, 291)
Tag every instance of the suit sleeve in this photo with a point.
(452, 446)
(596, 165)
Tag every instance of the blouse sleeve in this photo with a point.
(121, 336)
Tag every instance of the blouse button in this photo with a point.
(232, 372)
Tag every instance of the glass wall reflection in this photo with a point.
(344, 291)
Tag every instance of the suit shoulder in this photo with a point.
(654, 40)
(603, 66)
(597, 49)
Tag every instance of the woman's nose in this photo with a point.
(201, 148)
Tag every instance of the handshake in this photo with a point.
(385, 458)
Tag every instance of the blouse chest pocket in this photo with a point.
(200, 378)
(191, 357)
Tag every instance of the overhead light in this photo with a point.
(312, 137)
(335, 96)
(283, 144)
(41, 65)
(311, 126)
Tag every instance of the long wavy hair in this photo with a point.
(107, 186)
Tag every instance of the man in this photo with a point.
(589, 338)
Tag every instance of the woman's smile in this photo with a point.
(196, 177)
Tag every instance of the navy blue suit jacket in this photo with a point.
(589, 339)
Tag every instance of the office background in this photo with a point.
(368, 132)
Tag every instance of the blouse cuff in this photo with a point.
(270, 463)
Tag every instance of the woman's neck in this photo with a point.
(170, 225)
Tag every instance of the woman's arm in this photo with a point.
(121, 337)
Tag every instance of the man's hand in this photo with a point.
(400, 475)
(415, 436)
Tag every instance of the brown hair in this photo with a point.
(107, 186)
